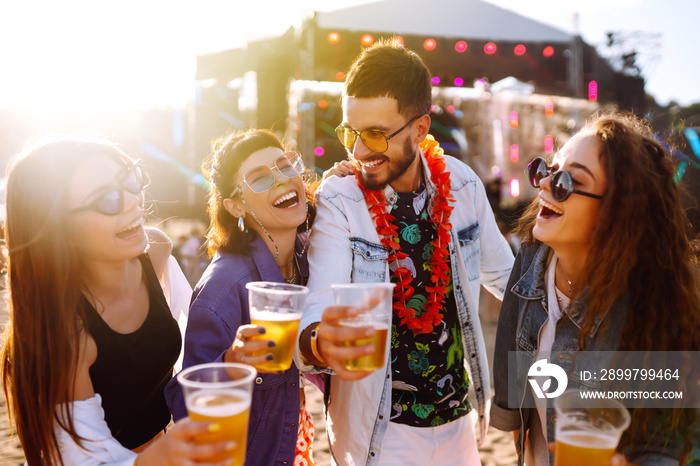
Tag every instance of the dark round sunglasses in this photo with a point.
(562, 185)
(111, 200)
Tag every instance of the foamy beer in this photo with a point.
(587, 431)
(220, 393)
(379, 317)
(278, 308)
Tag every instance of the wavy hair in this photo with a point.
(640, 249)
(40, 347)
(220, 169)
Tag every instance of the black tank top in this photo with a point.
(131, 370)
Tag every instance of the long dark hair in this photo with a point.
(639, 249)
(41, 343)
(219, 169)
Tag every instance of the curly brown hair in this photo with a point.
(639, 249)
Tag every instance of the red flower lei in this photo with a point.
(388, 232)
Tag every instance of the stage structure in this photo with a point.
(506, 88)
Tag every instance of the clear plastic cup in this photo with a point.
(587, 431)
(220, 392)
(277, 307)
(379, 317)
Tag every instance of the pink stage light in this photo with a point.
(459, 82)
(490, 48)
(514, 153)
(548, 51)
(513, 117)
(514, 188)
(548, 144)
(429, 44)
(549, 107)
(318, 151)
(592, 91)
(435, 80)
(461, 46)
(519, 50)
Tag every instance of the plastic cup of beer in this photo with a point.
(278, 308)
(220, 392)
(379, 317)
(587, 431)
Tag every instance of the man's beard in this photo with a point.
(396, 168)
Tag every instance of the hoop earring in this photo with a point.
(241, 224)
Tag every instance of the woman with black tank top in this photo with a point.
(91, 341)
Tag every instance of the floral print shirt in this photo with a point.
(430, 383)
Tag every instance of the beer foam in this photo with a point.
(281, 315)
(364, 323)
(583, 439)
(218, 403)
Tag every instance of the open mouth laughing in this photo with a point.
(286, 201)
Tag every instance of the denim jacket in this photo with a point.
(523, 313)
(345, 248)
(219, 306)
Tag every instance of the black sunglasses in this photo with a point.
(374, 140)
(562, 185)
(111, 201)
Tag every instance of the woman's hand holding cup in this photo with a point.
(245, 351)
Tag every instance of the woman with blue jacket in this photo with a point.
(604, 266)
(259, 225)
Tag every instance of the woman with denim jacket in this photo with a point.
(259, 224)
(604, 263)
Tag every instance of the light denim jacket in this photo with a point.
(345, 248)
(522, 315)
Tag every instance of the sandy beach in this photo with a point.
(497, 449)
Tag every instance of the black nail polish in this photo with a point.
(271, 343)
(269, 357)
(261, 330)
(343, 175)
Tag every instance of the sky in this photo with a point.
(107, 54)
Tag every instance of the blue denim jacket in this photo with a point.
(219, 306)
(523, 313)
(345, 248)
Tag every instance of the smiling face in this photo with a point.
(100, 237)
(569, 225)
(282, 207)
(399, 165)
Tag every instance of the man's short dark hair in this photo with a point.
(387, 69)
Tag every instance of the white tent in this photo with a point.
(473, 19)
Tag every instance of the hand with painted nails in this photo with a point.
(245, 350)
(341, 169)
(178, 447)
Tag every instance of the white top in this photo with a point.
(538, 452)
(99, 447)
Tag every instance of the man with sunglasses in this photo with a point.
(414, 217)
